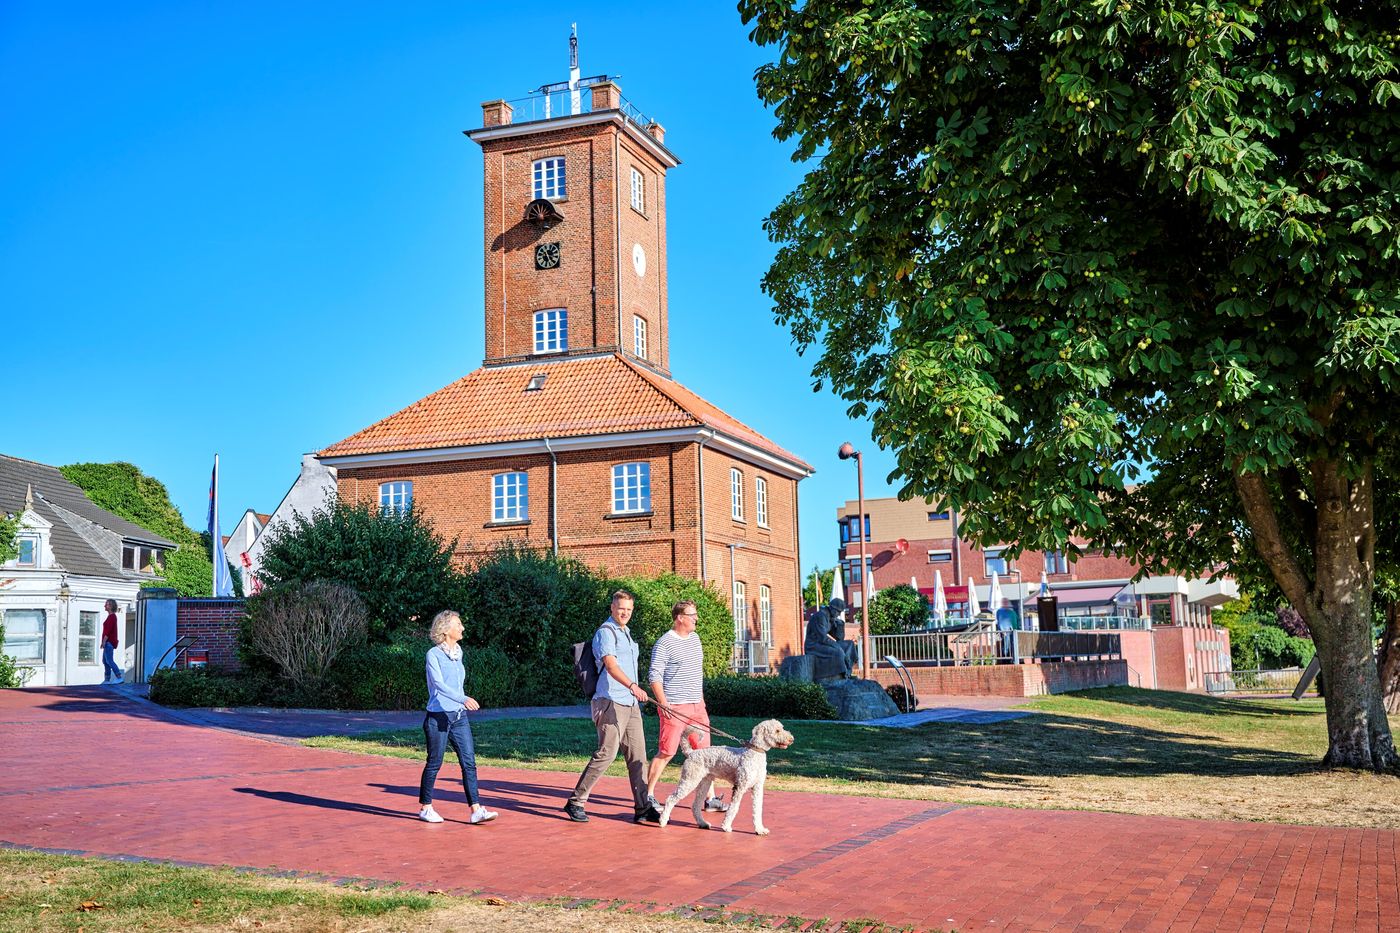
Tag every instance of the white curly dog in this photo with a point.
(746, 768)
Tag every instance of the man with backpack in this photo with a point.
(616, 708)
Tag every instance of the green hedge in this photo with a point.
(766, 698)
(651, 618)
(206, 687)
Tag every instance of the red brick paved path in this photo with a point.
(90, 771)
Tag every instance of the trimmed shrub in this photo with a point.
(531, 606)
(651, 618)
(395, 560)
(205, 687)
(766, 698)
(894, 611)
(381, 676)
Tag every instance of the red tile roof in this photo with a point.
(580, 397)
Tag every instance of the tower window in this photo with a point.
(639, 192)
(549, 179)
(510, 497)
(631, 487)
(639, 335)
(551, 330)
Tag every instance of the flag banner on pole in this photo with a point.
(223, 583)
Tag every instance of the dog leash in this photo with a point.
(672, 711)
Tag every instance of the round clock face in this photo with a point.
(547, 256)
(639, 259)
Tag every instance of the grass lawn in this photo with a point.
(1123, 750)
(41, 893)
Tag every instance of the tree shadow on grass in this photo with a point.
(1193, 703)
(1015, 753)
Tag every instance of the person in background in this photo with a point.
(677, 676)
(446, 720)
(111, 670)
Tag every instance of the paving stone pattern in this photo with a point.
(92, 771)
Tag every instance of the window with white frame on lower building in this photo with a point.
(639, 192)
(736, 494)
(993, 562)
(760, 501)
(765, 615)
(639, 335)
(850, 569)
(87, 637)
(631, 488)
(740, 608)
(551, 330)
(26, 634)
(395, 497)
(937, 556)
(28, 551)
(510, 497)
(1055, 562)
(549, 179)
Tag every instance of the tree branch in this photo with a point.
(1269, 540)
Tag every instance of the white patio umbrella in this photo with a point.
(838, 591)
(994, 594)
(940, 601)
(973, 607)
(914, 582)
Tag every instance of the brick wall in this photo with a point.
(213, 624)
(1010, 680)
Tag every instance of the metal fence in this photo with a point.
(750, 657)
(989, 647)
(1280, 681)
(1090, 623)
(551, 105)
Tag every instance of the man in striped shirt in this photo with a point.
(677, 681)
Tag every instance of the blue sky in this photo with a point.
(255, 228)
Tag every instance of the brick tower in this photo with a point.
(572, 435)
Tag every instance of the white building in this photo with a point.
(73, 557)
(314, 489)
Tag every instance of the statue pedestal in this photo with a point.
(857, 700)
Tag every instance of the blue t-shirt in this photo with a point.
(614, 640)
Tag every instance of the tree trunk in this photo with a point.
(1389, 660)
(1335, 601)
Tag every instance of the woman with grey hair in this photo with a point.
(446, 719)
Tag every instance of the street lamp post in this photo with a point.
(846, 452)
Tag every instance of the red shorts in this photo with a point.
(673, 726)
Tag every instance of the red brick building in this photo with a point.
(573, 435)
(1168, 639)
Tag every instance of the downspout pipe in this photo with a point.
(553, 497)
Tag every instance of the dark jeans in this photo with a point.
(440, 729)
(110, 667)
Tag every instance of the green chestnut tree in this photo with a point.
(1118, 269)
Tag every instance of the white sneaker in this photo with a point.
(483, 816)
(429, 815)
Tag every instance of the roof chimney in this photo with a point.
(495, 113)
(657, 132)
(606, 96)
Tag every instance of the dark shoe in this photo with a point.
(649, 815)
(576, 812)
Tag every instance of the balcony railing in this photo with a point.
(1092, 623)
(956, 649)
(551, 105)
(750, 657)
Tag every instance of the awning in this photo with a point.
(1088, 595)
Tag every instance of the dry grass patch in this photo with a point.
(1120, 750)
(40, 893)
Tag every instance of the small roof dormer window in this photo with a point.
(536, 382)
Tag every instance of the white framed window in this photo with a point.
(87, 637)
(993, 562)
(740, 608)
(765, 615)
(1055, 562)
(26, 632)
(631, 488)
(940, 556)
(28, 551)
(510, 497)
(639, 192)
(760, 501)
(639, 335)
(551, 330)
(736, 494)
(396, 496)
(549, 179)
